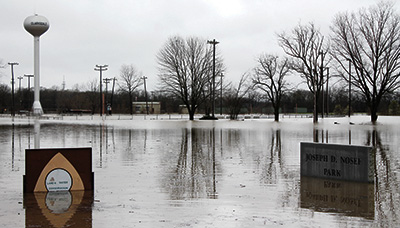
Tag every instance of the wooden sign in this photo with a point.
(58, 169)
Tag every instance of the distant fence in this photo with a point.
(85, 116)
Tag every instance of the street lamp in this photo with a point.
(327, 92)
(12, 86)
(349, 86)
(220, 99)
(323, 92)
(29, 76)
(213, 42)
(19, 91)
(101, 68)
(145, 94)
(106, 81)
(322, 82)
(112, 95)
(19, 85)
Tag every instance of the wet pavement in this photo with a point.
(155, 172)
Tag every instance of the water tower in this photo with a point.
(36, 25)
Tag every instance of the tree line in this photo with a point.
(363, 51)
(59, 101)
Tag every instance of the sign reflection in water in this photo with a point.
(350, 198)
(59, 209)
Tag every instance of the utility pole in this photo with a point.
(327, 91)
(315, 116)
(19, 91)
(220, 99)
(63, 83)
(12, 87)
(101, 68)
(145, 94)
(112, 92)
(322, 82)
(213, 42)
(349, 86)
(106, 81)
(19, 79)
(29, 76)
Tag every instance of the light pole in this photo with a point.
(106, 81)
(19, 91)
(112, 95)
(213, 42)
(101, 68)
(322, 81)
(19, 85)
(349, 86)
(323, 92)
(12, 87)
(29, 76)
(220, 99)
(327, 91)
(145, 94)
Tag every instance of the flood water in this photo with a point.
(179, 173)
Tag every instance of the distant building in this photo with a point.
(300, 110)
(183, 109)
(140, 107)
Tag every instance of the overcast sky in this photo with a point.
(87, 32)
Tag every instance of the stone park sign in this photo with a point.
(340, 162)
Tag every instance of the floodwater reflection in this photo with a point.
(273, 163)
(195, 173)
(59, 209)
(202, 174)
(386, 179)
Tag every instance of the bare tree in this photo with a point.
(269, 76)
(92, 90)
(306, 46)
(234, 96)
(370, 41)
(2, 66)
(185, 70)
(131, 79)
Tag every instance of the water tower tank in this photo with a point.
(36, 25)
